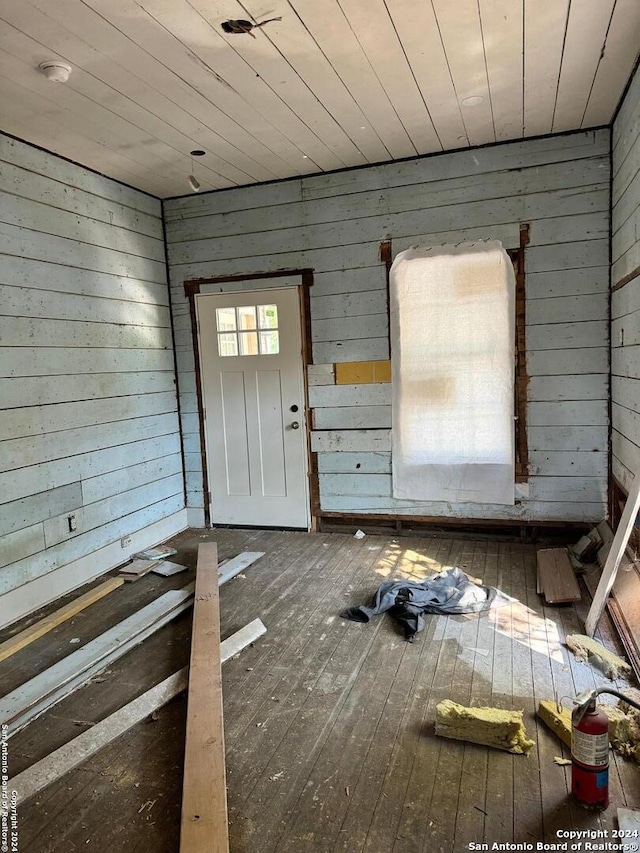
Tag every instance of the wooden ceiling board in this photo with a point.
(170, 145)
(419, 35)
(620, 53)
(271, 64)
(172, 123)
(119, 49)
(378, 38)
(296, 46)
(544, 32)
(502, 33)
(461, 31)
(333, 35)
(142, 32)
(209, 45)
(334, 84)
(586, 32)
(109, 128)
(40, 111)
(24, 117)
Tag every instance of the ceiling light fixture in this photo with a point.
(472, 101)
(194, 183)
(56, 70)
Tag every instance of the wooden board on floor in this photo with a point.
(43, 626)
(47, 688)
(204, 822)
(556, 577)
(76, 752)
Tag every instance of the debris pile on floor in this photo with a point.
(586, 648)
(486, 726)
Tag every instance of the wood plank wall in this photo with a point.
(334, 223)
(625, 300)
(88, 405)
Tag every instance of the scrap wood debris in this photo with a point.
(486, 726)
(586, 648)
(238, 27)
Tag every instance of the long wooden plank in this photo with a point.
(237, 564)
(204, 794)
(557, 579)
(43, 626)
(616, 552)
(38, 695)
(65, 759)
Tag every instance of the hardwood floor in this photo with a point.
(329, 723)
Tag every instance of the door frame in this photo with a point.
(193, 288)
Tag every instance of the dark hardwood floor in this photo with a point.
(329, 724)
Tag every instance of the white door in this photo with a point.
(253, 396)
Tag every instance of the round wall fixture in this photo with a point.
(56, 70)
(198, 152)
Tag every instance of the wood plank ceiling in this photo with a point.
(335, 83)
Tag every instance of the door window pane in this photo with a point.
(228, 344)
(268, 316)
(269, 343)
(248, 343)
(226, 319)
(247, 317)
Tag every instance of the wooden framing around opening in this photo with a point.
(192, 288)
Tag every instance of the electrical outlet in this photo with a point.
(125, 541)
(73, 524)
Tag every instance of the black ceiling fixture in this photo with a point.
(240, 26)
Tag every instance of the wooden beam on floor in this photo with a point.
(40, 693)
(614, 557)
(204, 823)
(556, 578)
(65, 759)
(237, 564)
(43, 626)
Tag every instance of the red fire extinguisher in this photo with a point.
(590, 753)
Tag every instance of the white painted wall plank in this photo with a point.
(375, 394)
(39, 390)
(354, 463)
(16, 515)
(592, 386)
(42, 476)
(352, 417)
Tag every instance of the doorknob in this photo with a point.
(295, 425)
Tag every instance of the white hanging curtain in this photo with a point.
(452, 353)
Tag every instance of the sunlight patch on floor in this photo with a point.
(522, 624)
(411, 565)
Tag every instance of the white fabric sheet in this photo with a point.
(452, 353)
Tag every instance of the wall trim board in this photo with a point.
(192, 288)
(32, 596)
(365, 520)
(626, 279)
